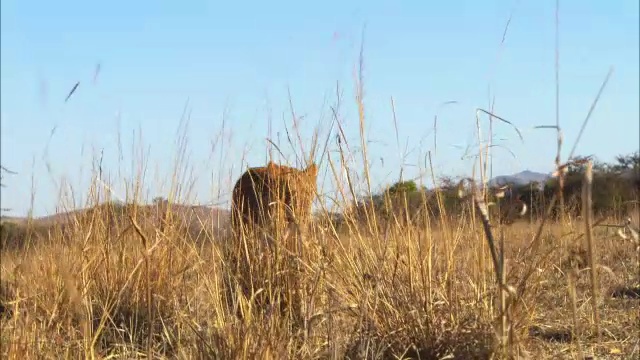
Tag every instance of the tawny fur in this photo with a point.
(273, 195)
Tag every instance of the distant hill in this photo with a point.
(193, 216)
(526, 177)
(522, 178)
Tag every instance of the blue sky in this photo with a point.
(236, 60)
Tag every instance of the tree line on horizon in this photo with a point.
(616, 190)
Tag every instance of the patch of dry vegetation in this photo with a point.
(134, 281)
(411, 292)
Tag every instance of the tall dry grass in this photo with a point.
(129, 282)
(136, 281)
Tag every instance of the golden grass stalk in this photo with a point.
(588, 223)
(571, 287)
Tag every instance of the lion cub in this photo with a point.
(273, 195)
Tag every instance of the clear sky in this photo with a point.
(236, 60)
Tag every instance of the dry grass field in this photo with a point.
(146, 281)
(131, 288)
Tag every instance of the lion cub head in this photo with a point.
(273, 195)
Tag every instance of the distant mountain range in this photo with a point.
(526, 177)
(522, 178)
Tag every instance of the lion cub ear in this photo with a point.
(312, 170)
(272, 168)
